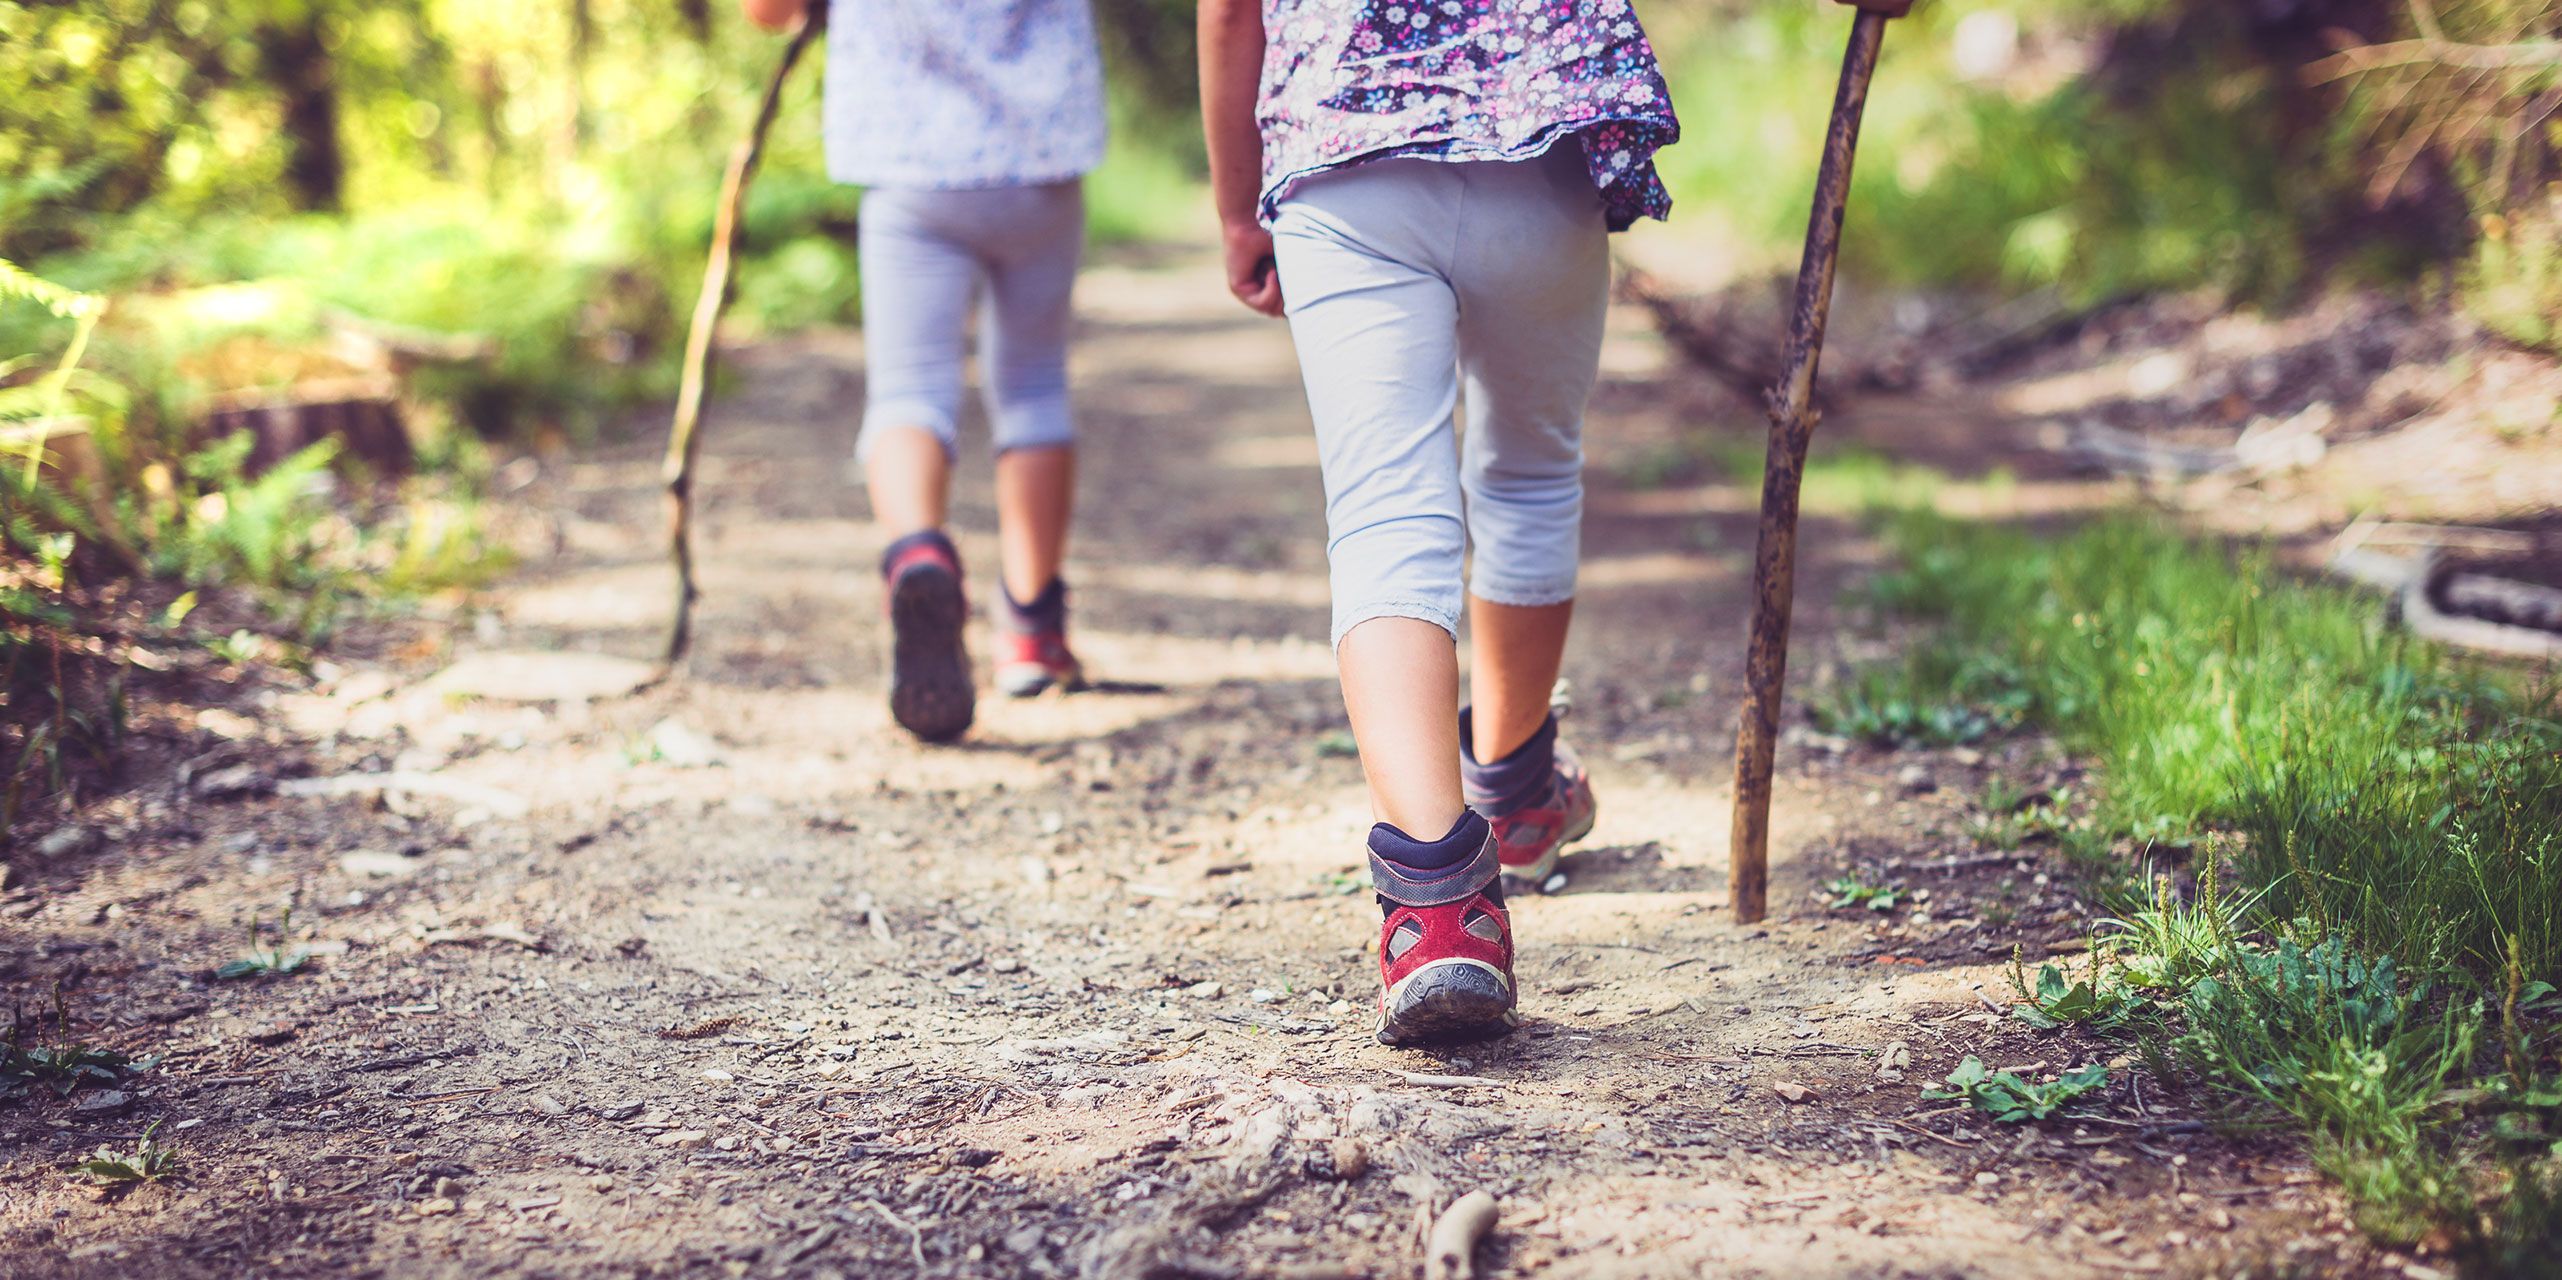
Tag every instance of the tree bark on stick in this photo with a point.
(684, 437)
(1792, 421)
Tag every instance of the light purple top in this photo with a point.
(1346, 81)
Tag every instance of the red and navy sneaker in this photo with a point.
(1538, 800)
(1033, 657)
(1445, 946)
(931, 693)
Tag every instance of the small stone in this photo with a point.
(682, 1139)
(550, 1106)
(1263, 995)
(1967, 756)
(1023, 1240)
(718, 1076)
(601, 1182)
(1206, 990)
(619, 1111)
(237, 780)
(778, 1144)
(1008, 964)
(676, 743)
(1988, 1178)
(449, 1188)
(65, 841)
(2176, 1239)
(104, 1103)
(1350, 1160)
(441, 1204)
(1555, 883)
(2219, 1219)
(1914, 780)
(380, 866)
(726, 1142)
(274, 1032)
(1791, 1091)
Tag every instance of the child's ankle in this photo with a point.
(1044, 613)
(924, 542)
(1497, 787)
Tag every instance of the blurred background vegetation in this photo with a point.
(236, 227)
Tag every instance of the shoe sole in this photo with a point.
(931, 694)
(1447, 1000)
(1529, 878)
(1033, 681)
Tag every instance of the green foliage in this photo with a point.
(2172, 944)
(2097, 999)
(1926, 700)
(2393, 810)
(268, 959)
(2009, 1099)
(149, 1161)
(60, 1068)
(2334, 1041)
(1855, 893)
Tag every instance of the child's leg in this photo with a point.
(916, 293)
(1375, 324)
(1032, 241)
(1363, 259)
(916, 297)
(1529, 348)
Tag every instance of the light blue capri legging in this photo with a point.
(1406, 279)
(925, 255)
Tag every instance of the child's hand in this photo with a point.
(1252, 275)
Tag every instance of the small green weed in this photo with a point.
(1856, 893)
(61, 1068)
(2010, 1100)
(147, 1162)
(268, 959)
(2056, 999)
(1337, 745)
(2173, 944)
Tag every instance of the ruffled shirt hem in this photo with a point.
(1625, 175)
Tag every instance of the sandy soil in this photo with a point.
(726, 977)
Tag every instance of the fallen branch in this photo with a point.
(915, 1234)
(1451, 1251)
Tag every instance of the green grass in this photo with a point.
(2380, 981)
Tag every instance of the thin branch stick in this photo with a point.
(684, 438)
(915, 1234)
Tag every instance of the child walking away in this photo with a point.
(1426, 187)
(968, 123)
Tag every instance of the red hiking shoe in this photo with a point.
(1030, 664)
(931, 693)
(1032, 657)
(1536, 810)
(1445, 946)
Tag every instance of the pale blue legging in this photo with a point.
(1406, 279)
(926, 254)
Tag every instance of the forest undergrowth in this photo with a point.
(2332, 851)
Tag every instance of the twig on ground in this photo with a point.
(1451, 1251)
(915, 1234)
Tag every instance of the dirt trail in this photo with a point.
(753, 985)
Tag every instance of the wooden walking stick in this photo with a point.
(1792, 421)
(684, 439)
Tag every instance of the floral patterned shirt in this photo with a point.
(946, 94)
(1346, 81)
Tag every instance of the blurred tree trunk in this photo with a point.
(299, 65)
(698, 19)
